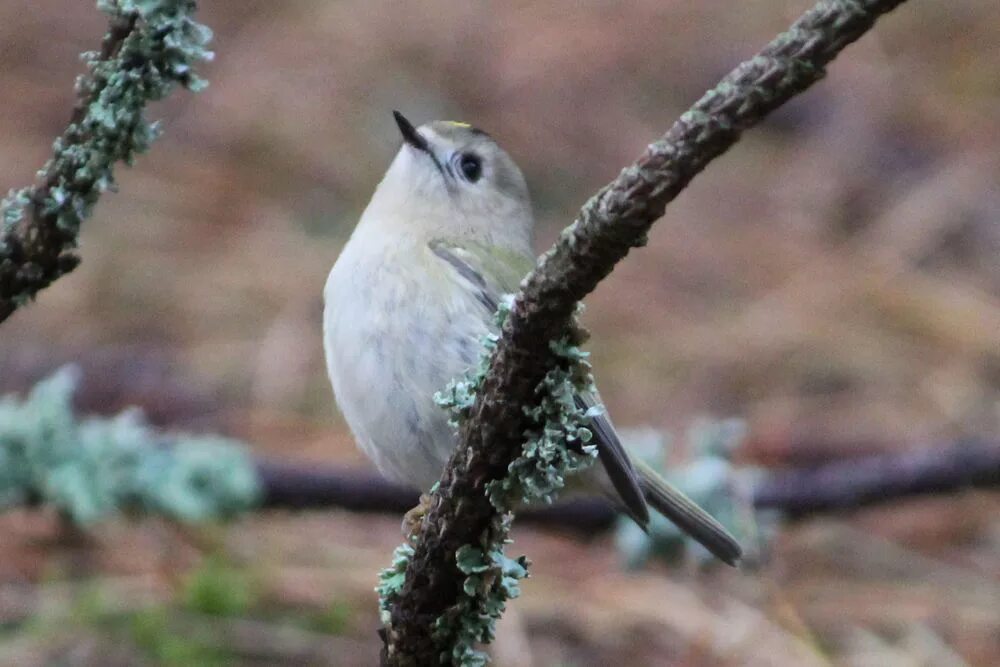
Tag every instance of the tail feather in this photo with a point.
(687, 515)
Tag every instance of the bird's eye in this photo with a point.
(471, 166)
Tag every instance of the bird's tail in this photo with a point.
(685, 513)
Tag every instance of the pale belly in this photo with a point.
(391, 343)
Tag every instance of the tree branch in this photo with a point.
(607, 228)
(150, 48)
(798, 492)
(870, 480)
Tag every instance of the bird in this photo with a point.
(447, 233)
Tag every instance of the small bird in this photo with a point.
(447, 233)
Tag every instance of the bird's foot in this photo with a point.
(413, 519)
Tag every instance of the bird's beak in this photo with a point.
(410, 134)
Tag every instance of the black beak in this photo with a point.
(409, 133)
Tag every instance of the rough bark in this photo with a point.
(150, 48)
(40, 250)
(613, 222)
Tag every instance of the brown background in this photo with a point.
(834, 280)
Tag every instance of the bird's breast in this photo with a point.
(397, 328)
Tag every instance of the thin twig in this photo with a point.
(613, 222)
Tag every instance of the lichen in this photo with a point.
(158, 45)
(560, 443)
(95, 468)
(391, 579)
(556, 446)
(491, 579)
(710, 478)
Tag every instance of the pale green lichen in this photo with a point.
(491, 579)
(709, 478)
(559, 445)
(99, 467)
(556, 446)
(154, 56)
(391, 579)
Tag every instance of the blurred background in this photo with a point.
(834, 280)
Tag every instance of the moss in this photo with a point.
(334, 620)
(217, 588)
(150, 630)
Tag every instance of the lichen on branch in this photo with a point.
(151, 48)
(608, 226)
(557, 444)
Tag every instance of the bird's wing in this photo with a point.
(493, 274)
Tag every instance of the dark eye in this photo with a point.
(471, 166)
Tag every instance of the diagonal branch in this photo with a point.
(150, 48)
(613, 222)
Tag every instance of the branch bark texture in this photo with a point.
(610, 224)
(37, 250)
(150, 48)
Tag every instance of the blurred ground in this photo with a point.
(834, 279)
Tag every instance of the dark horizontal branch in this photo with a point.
(613, 222)
(299, 487)
(880, 478)
(798, 492)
